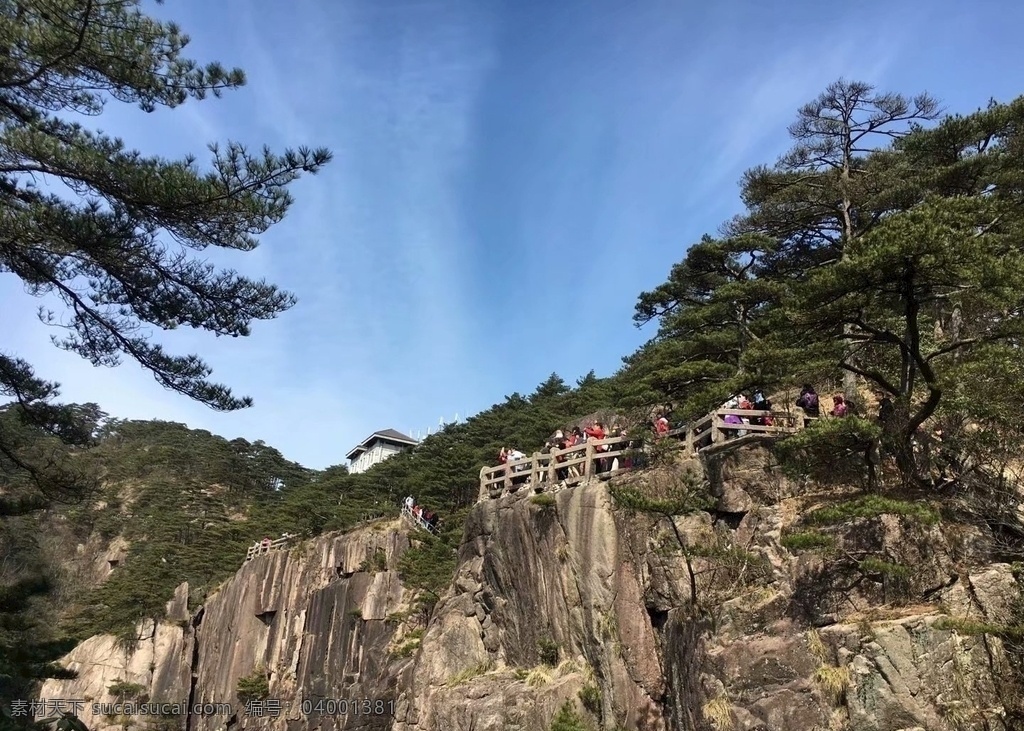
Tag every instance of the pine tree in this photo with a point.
(712, 313)
(100, 251)
(820, 196)
(899, 265)
(553, 386)
(115, 249)
(931, 288)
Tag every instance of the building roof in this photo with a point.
(384, 435)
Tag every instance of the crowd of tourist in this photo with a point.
(427, 518)
(568, 445)
(565, 446)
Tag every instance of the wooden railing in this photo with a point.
(261, 547)
(417, 520)
(568, 466)
(578, 463)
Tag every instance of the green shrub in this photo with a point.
(590, 697)
(410, 644)
(735, 559)
(545, 500)
(806, 541)
(677, 497)
(128, 691)
(661, 452)
(377, 562)
(547, 649)
(429, 567)
(970, 627)
(255, 686)
(407, 649)
(885, 568)
(831, 451)
(568, 719)
(870, 506)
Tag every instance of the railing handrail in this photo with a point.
(417, 520)
(260, 548)
(707, 431)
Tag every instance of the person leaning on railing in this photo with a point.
(595, 433)
(732, 421)
(577, 439)
(808, 401)
(615, 449)
(515, 457)
(762, 404)
(562, 473)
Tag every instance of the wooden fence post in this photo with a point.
(717, 434)
(552, 467)
(535, 469)
(588, 464)
(483, 486)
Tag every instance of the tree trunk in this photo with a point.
(899, 435)
(850, 385)
(849, 377)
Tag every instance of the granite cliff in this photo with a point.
(777, 607)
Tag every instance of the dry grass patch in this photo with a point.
(538, 677)
(470, 673)
(718, 712)
(833, 681)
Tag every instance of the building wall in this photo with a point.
(378, 452)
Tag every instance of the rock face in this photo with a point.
(159, 664)
(744, 617)
(312, 621)
(537, 585)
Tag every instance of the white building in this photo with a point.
(376, 448)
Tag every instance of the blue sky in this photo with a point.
(508, 177)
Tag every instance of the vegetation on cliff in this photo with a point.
(899, 265)
(100, 247)
(877, 250)
(189, 503)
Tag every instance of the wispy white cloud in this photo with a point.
(374, 247)
(596, 135)
(396, 249)
(761, 108)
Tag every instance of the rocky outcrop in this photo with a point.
(710, 621)
(315, 622)
(544, 605)
(756, 614)
(157, 661)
